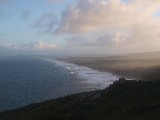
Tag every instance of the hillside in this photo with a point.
(144, 66)
(123, 100)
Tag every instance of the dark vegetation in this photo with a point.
(144, 68)
(123, 100)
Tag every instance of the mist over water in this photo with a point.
(30, 80)
(100, 79)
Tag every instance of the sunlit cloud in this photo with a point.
(109, 26)
(31, 46)
(90, 15)
(124, 25)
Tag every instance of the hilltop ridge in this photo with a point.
(123, 100)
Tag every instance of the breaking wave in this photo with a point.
(103, 79)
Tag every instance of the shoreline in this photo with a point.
(100, 69)
(139, 69)
(89, 75)
(89, 80)
(129, 99)
(122, 99)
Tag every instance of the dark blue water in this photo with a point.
(30, 80)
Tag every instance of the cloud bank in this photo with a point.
(90, 15)
(31, 46)
(127, 26)
(98, 26)
(34, 48)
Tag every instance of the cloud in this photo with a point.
(98, 38)
(25, 15)
(31, 46)
(90, 15)
(46, 23)
(37, 48)
(42, 46)
(115, 24)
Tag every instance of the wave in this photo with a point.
(103, 79)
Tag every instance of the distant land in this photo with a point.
(135, 99)
(143, 66)
(151, 55)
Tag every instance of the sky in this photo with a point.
(79, 27)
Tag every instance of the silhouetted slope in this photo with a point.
(123, 100)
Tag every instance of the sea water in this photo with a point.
(25, 80)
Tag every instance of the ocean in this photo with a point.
(26, 80)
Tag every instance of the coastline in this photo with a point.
(131, 100)
(89, 75)
(49, 81)
(141, 69)
(124, 99)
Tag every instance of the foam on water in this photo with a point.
(103, 79)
